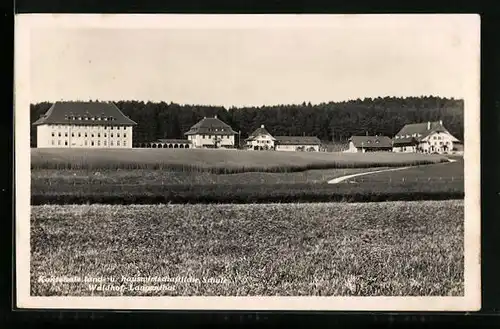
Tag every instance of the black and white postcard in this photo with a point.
(248, 162)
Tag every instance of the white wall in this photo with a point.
(404, 149)
(64, 136)
(294, 148)
(261, 141)
(352, 148)
(439, 142)
(200, 140)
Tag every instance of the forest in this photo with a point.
(331, 122)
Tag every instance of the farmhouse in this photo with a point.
(426, 137)
(84, 124)
(211, 133)
(297, 143)
(260, 139)
(369, 144)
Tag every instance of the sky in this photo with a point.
(244, 61)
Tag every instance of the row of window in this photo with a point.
(92, 127)
(103, 118)
(85, 135)
(92, 143)
(408, 136)
(211, 136)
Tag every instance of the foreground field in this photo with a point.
(429, 182)
(218, 161)
(365, 249)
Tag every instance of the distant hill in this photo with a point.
(333, 121)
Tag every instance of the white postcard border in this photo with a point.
(471, 301)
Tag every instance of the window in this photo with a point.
(124, 143)
(98, 134)
(85, 134)
(52, 142)
(98, 143)
(59, 134)
(117, 134)
(124, 134)
(66, 143)
(92, 135)
(117, 143)
(111, 143)
(72, 134)
(59, 142)
(65, 134)
(79, 135)
(92, 143)
(105, 135)
(111, 134)
(85, 143)
(104, 143)
(203, 137)
(53, 134)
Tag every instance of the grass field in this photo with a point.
(218, 161)
(362, 249)
(427, 182)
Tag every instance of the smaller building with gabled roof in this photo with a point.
(425, 137)
(369, 144)
(260, 139)
(84, 124)
(211, 133)
(298, 143)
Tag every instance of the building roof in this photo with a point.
(212, 126)
(298, 140)
(258, 132)
(415, 132)
(371, 141)
(174, 141)
(84, 113)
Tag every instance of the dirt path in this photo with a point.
(346, 177)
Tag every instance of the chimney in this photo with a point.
(262, 126)
(428, 125)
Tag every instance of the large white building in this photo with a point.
(211, 133)
(84, 125)
(426, 137)
(260, 139)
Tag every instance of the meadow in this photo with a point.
(218, 161)
(326, 249)
(427, 182)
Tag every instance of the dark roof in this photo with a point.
(173, 141)
(415, 132)
(84, 113)
(298, 140)
(259, 131)
(212, 126)
(371, 141)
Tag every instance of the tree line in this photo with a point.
(330, 122)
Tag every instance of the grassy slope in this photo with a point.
(54, 177)
(371, 249)
(219, 161)
(431, 182)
